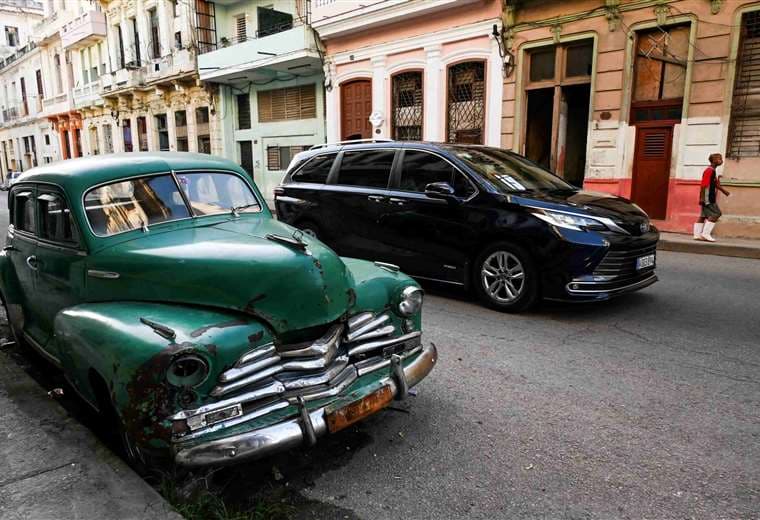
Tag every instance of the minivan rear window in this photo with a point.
(368, 168)
(316, 170)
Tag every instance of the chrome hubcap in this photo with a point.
(310, 232)
(503, 277)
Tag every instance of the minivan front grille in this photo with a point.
(270, 377)
(622, 263)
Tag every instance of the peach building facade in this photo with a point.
(411, 69)
(631, 97)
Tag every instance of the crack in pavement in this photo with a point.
(32, 474)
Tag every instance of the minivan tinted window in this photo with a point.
(369, 168)
(509, 172)
(421, 168)
(316, 170)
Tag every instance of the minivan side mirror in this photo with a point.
(4, 187)
(439, 190)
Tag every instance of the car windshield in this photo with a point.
(510, 172)
(142, 202)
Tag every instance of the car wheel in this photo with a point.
(309, 228)
(505, 278)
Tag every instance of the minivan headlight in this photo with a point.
(568, 220)
(410, 301)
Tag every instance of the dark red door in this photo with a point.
(651, 169)
(355, 108)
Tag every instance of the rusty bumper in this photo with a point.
(301, 430)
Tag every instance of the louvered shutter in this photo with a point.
(744, 136)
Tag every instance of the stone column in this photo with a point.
(332, 106)
(379, 100)
(192, 131)
(434, 105)
(171, 126)
(494, 91)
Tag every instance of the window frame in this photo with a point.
(12, 226)
(334, 176)
(396, 179)
(52, 189)
(173, 174)
(310, 159)
(393, 79)
(447, 98)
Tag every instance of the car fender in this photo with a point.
(10, 290)
(130, 346)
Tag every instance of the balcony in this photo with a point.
(56, 105)
(261, 57)
(9, 60)
(122, 80)
(331, 18)
(85, 29)
(87, 96)
(181, 62)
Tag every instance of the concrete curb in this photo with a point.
(723, 247)
(55, 468)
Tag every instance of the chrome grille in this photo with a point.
(271, 377)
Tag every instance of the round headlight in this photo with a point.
(187, 370)
(411, 301)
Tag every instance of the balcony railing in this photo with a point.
(17, 55)
(263, 32)
(86, 28)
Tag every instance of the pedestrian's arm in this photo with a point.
(721, 188)
(702, 191)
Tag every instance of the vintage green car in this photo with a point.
(208, 331)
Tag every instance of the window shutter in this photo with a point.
(244, 111)
(273, 158)
(240, 28)
(287, 104)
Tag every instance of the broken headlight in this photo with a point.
(187, 370)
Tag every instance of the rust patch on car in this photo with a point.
(223, 325)
(151, 398)
(255, 338)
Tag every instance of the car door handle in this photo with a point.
(396, 201)
(376, 198)
(10, 248)
(32, 262)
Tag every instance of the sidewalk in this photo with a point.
(738, 247)
(52, 467)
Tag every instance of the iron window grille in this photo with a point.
(407, 113)
(744, 129)
(466, 103)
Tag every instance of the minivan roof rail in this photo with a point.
(353, 141)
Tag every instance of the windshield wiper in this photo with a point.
(237, 209)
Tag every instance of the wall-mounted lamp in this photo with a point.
(507, 58)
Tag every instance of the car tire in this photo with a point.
(505, 278)
(309, 228)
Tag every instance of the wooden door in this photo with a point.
(651, 169)
(355, 108)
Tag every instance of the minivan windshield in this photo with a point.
(509, 172)
(144, 201)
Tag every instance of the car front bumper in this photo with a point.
(294, 432)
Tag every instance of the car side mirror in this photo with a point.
(439, 190)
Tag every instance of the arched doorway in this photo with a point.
(355, 108)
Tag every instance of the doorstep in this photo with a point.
(737, 247)
(55, 468)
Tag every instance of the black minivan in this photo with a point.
(472, 216)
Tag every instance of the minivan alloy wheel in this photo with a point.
(503, 276)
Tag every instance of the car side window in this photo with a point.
(421, 168)
(315, 170)
(56, 222)
(23, 211)
(368, 168)
(462, 186)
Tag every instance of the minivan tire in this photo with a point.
(513, 284)
(309, 228)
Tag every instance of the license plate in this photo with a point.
(358, 410)
(643, 262)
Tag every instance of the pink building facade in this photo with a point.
(412, 69)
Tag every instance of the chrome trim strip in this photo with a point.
(383, 331)
(343, 381)
(646, 281)
(240, 383)
(236, 373)
(376, 363)
(359, 319)
(354, 335)
(104, 275)
(286, 434)
(323, 346)
(258, 352)
(366, 347)
(393, 268)
(277, 405)
(270, 390)
(42, 352)
(300, 381)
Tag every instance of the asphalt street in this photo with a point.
(647, 406)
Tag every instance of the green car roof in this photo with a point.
(76, 176)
